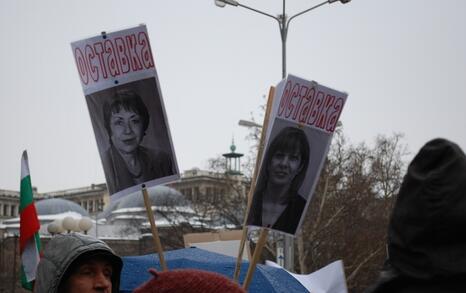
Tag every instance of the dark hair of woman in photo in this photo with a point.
(129, 101)
(126, 161)
(277, 203)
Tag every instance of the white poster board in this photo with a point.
(329, 279)
(120, 83)
(302, 122)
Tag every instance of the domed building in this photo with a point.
(54, 206)
(49, 210)
(128, 214)
(158, 196)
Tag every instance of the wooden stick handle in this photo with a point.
(253, 182)
(255, 258)
(153, 228)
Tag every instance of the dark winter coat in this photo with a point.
(427, 231)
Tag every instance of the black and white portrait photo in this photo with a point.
(288, 171)
(132, 135)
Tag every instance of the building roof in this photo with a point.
(53, 206)
(158, 196)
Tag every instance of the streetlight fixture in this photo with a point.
(53, 228)
(248, 123)
(222, 3)
(282, 19)
(85, 224)
(69, 224)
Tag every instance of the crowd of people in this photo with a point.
(78, 263)
(426, 249)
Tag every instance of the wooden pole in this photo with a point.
(153, 228)
(255, 258)
(253, 182)
(13, 281)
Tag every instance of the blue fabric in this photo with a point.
(266, 279)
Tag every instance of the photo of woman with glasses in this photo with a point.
(126, 120)
(132, 135)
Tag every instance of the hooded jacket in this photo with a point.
(427, 231)
(62, 251)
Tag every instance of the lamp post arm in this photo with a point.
(307, 10)
(281, 19)
(258, 11)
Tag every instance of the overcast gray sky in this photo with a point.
(403, 64)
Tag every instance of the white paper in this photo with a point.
(329, 279)
(304, 117)
(119, 79)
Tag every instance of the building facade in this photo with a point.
(9, 203)
(200, 185)
(196, 185)
(92, 198)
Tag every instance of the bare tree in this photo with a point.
(350, 208)
(231, 205)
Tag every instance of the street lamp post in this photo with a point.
(282, 19)
(283, 23)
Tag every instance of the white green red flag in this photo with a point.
(29, 228)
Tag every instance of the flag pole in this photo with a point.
(29, 239)
(13, 283)
(153, 227)
(253, 182)
(255, 258)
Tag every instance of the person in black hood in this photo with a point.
(427, 231)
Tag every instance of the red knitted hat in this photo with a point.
(188, 280)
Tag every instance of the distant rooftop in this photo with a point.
(54, 206)
(158, 196)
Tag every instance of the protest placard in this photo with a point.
(119, 79)
(303, 119)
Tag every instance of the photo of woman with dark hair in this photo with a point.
(127, 162)
(276, 203)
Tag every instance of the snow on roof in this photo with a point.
(181, 209)
(130, 217)
(61, 216)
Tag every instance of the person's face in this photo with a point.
(92, 276)
(284, 166)
(127, 130)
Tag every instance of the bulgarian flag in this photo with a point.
(29, 241)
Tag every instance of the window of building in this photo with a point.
(12, 210)
(91, 206)
(5, 210)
